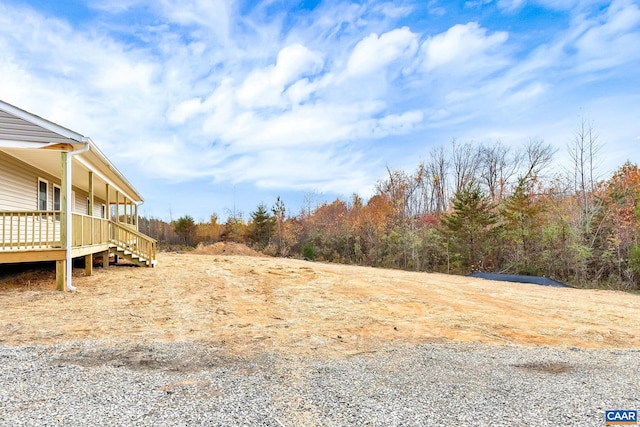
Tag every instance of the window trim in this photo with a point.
(53, 198)
(46, 194)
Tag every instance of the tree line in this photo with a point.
(466, 207)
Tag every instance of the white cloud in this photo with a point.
(302, 169)
(612, 39)
(114, 6)
(472, 4)
(184, 110)
(221, 109)
(264, 87)
(465, 49)
(392, 10)
(399, 123)
(307, 99)
(300, 91)
(565, 4)
(435, 8)
(214, 15)
(295, 61)
(511, 5)
(376, 52)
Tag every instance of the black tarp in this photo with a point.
(536, 280)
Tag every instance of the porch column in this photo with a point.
(88, 259)
(117, 206)
(135, 216)
(90, 213)
(61, 265)
(108, 212)
(105, 254)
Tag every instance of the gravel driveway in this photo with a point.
(184, 384)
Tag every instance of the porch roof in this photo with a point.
(32, 139)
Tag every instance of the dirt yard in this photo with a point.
(249, 303)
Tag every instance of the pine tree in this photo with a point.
(262, 225)
(185, 226)
(521, 214)
(469, 225)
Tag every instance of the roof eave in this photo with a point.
(43, 123)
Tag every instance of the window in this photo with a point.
(56, 198)
(89, 207)
(103, 211)
(43, 195)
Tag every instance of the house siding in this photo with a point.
(19, 188)
(80, 203)
(19, 185)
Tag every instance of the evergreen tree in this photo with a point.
(262, 226)
(185, 227)
(469, 226)
(522, 227)
(279, 212)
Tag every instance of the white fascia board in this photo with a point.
(104, 178)
(115, 170)
(7, 143)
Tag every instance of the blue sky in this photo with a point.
(212, 105)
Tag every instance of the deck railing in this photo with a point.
(88, 230)
(25, 230)
(133, 241)
(29, 229)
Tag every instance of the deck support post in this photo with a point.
(105, 259)
(88, 265)
(61, 271)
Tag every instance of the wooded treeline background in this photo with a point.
(467, 207)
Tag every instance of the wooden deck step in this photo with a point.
(131, 257)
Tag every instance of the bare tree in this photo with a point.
(537, 157)
(420, 201)
(465, 159)
(398, 188)
(438, 170)
(497, 165)
(583, 152)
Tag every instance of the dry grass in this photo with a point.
(249, 304)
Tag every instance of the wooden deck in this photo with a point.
(27, 236)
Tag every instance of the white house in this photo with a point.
(61, 198)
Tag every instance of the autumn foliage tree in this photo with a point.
(467, 207)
